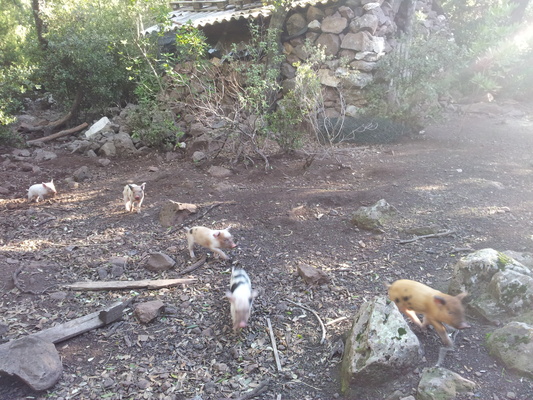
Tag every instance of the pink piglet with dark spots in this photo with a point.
(214, 240)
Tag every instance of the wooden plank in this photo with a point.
(83, 324)
(142, 284)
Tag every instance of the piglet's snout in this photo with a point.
(463, 325)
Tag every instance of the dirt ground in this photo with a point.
(472, 174)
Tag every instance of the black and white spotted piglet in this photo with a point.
(241, 297)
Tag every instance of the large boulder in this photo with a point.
(123, 144)
(500, 286)
(442, 384)
(513, 345)
(380, 346)
(33, 360)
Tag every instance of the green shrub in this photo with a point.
(412, 77)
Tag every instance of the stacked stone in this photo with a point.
(355, 34)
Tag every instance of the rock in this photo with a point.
(312, 275)
(117, 271)
(120, 261)
(330, 42)
(102, 273)
(295, 24)
(219, 172)
(353, 79)
(108, 149)
(442, 384)
(33, 360)
(327, 78)
(173, 213)
(158, 262)
(525, 259)
(81, 174)
(334, 24)
(3, 329)
(97, 127)
(43, 155)
(58, 296)
(148, 311)
(198, 156)
(314, 13)
(123, 144)
(104, 162)
(499, 286)
(513, 345)
(379, 347)
(373, 218)
(367, 22)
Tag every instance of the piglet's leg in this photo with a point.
(139, 205)
(412, 315)
(442, 355)
(220, 253)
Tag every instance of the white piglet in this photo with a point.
(241, 297)
(214, 240)
(133, 194)
(39, 191)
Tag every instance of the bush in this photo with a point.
(413, 76)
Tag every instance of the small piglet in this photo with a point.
(214, 240)
(133, 194)
(241, 297)
(39, 191)
(413, 297)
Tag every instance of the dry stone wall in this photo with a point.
(356, 34)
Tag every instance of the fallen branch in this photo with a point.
(142, 284)
(83, 324)
(432, 235)
(195, 266)
(274, 347)
(335, 321)
(258, 390)
(317, 317)
(59, 134)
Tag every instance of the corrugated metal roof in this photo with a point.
(213, 15)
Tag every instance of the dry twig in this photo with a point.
(274, 347)
(317, 317)
(258, 390)
(432, 235)
(194, 266)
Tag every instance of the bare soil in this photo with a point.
(472, 174)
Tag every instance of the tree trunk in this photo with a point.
(517, 15)
(277, 20)
(39, 24)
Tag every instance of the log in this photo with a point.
(143, 284)
(83, 324)
(59, 134)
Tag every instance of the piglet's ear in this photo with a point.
(439, 300)
(143, 185)
(131, 187)
(216, 234)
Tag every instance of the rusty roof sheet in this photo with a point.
(213, 15)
